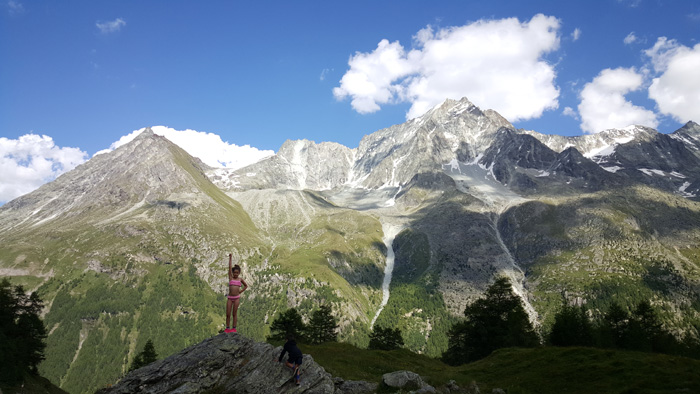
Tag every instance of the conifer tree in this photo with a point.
(322, 326)
(22, 333)
(288, 322)
(499, 320)
(571, 327)
(613, 327)
(385, 338)
(644, 330)
(145, 357)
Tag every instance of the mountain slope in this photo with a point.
(131, 245)
(127, 247)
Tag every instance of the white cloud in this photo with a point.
(32, 160)
(495, 63)
(371, 75)
(662, 52)
(568, 111)
(604, 106)
(208, 147)
(677, 88)
(576, 34)
(111, 26)
(630, 39)
(15, 7)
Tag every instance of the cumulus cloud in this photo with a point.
(676, 90)
(604, 106)
(630, 39)
(32, 160)
(111, 26)
(208, 147)
(497, 64)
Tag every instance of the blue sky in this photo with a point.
(78, 76)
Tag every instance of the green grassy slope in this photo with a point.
(539, 370)
(323, 255)
(32, 384)
(625, 246)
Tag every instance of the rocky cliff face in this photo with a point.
(458, 130)
(386, 158)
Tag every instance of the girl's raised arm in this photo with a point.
(230, 271)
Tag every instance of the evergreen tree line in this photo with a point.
(323, 327)
(22, 333)
(499, 320)
(639, 329)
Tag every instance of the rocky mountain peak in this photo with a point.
(691, 126)
(148, 168)
(146, 133)
(689, 134)
(450, 110)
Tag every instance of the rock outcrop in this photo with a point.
(226, 363)
(405, 381)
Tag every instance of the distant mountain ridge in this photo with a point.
(460, 130)
(132, 244)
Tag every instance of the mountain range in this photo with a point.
(403, 231)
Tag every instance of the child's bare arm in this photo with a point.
(245, 286)
(230, 271)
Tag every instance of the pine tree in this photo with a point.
(288, 322)
(499, 320)
(322, 326)
(385, 338)
(22, 333)
(145, 357)
(644, 330)
(571, 327)
(613, 327)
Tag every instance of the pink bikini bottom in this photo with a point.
(233, 297)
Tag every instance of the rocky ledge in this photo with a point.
(232, 363)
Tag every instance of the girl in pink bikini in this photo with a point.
(236, 286)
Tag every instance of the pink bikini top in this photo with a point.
(234, 282)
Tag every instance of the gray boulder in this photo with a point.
(225, 364)
(354, 386)
(406, 381)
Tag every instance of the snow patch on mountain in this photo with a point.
(683, 192)
(390, 232)
(480, 182)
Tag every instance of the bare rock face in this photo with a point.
(226, 363)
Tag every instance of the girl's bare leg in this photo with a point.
(235, 311)
(228, 314)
